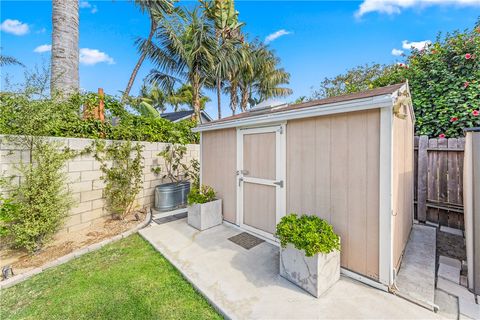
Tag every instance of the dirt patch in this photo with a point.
(64, 243)
(451, 245)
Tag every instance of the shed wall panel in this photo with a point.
(333, 172)
(402, 202)
(219, 166)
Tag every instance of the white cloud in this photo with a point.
(397, 52)
(396, 6)
(14, 27)
(43, 48)
(276, 35)
(91, 57)
(419, 45)
(88, 5)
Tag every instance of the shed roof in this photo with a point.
(305, 106)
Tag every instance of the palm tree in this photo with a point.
(259, 77)
(8, 61)
(156, 10)
(154, 97)
(185, 51)
(228, 35)
(64, 68)
(184, 96)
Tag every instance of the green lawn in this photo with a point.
(125, 280)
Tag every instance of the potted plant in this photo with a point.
(172, 195)
(204, 210)
(309, 253)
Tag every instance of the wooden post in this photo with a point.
(422, 179)
(101, 106)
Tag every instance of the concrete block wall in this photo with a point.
(83, 177)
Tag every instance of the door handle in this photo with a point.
(279, 183)
(240, 180)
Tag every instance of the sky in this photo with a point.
(314, 39)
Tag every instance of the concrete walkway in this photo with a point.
(245, 284)
(416, 277)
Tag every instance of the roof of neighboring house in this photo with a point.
(180, 115)
(327, 102)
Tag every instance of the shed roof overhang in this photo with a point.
(374, 102)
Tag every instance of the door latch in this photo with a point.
(279, 183)
(242, 172)
(240, 180)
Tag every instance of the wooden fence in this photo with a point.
(439, 180)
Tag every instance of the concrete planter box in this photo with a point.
(205, 215)
(313, 274)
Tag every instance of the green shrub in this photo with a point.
(200, 195)
(308, 233)
(444, 80)
(63, 118)
(34, 210)
(122, 168)
(175, 169)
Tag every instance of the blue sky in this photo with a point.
(316, 39)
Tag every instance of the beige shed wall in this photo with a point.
(219, 166)
(333, 172)
(402, 183)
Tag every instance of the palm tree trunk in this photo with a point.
(196, 98)
(65, 56)
(219, 97)
(233, 97)
(153, 27)
(244, 99)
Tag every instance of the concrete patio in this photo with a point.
(245, 284)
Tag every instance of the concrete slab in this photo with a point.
(245, 284)
(448, 272)
(468, 308)
(455, 289)
(416, 277)
(448, 304)
(454, 231)
(450, 261)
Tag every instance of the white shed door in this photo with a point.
(261, 179)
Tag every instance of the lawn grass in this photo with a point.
(125, 280)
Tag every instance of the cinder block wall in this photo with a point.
(84, 175)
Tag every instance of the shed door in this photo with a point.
(261, 179)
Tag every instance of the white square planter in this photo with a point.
(313, 274)
(205, 215)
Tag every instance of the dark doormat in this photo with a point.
(177, 216)
(246, 240)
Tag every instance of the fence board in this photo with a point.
(442, 180)
(438, 170)
(432, 181)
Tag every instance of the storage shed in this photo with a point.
(346, 159)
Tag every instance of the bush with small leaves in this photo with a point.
(308, 233)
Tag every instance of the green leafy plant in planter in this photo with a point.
(308, 233)
(202, 194)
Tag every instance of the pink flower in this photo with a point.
(441, 135)
(475, 113)
(468, 56)
(453, 119)
(400, 64)
(466, 84)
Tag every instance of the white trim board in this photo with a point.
(385, 257)
(327, 109)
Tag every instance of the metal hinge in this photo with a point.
(280, 130)
(279, 183)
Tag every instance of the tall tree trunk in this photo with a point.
(219, 97)
(153, 27)
(233, 97)
(244, 99)
(196, 99)
(65, 56)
